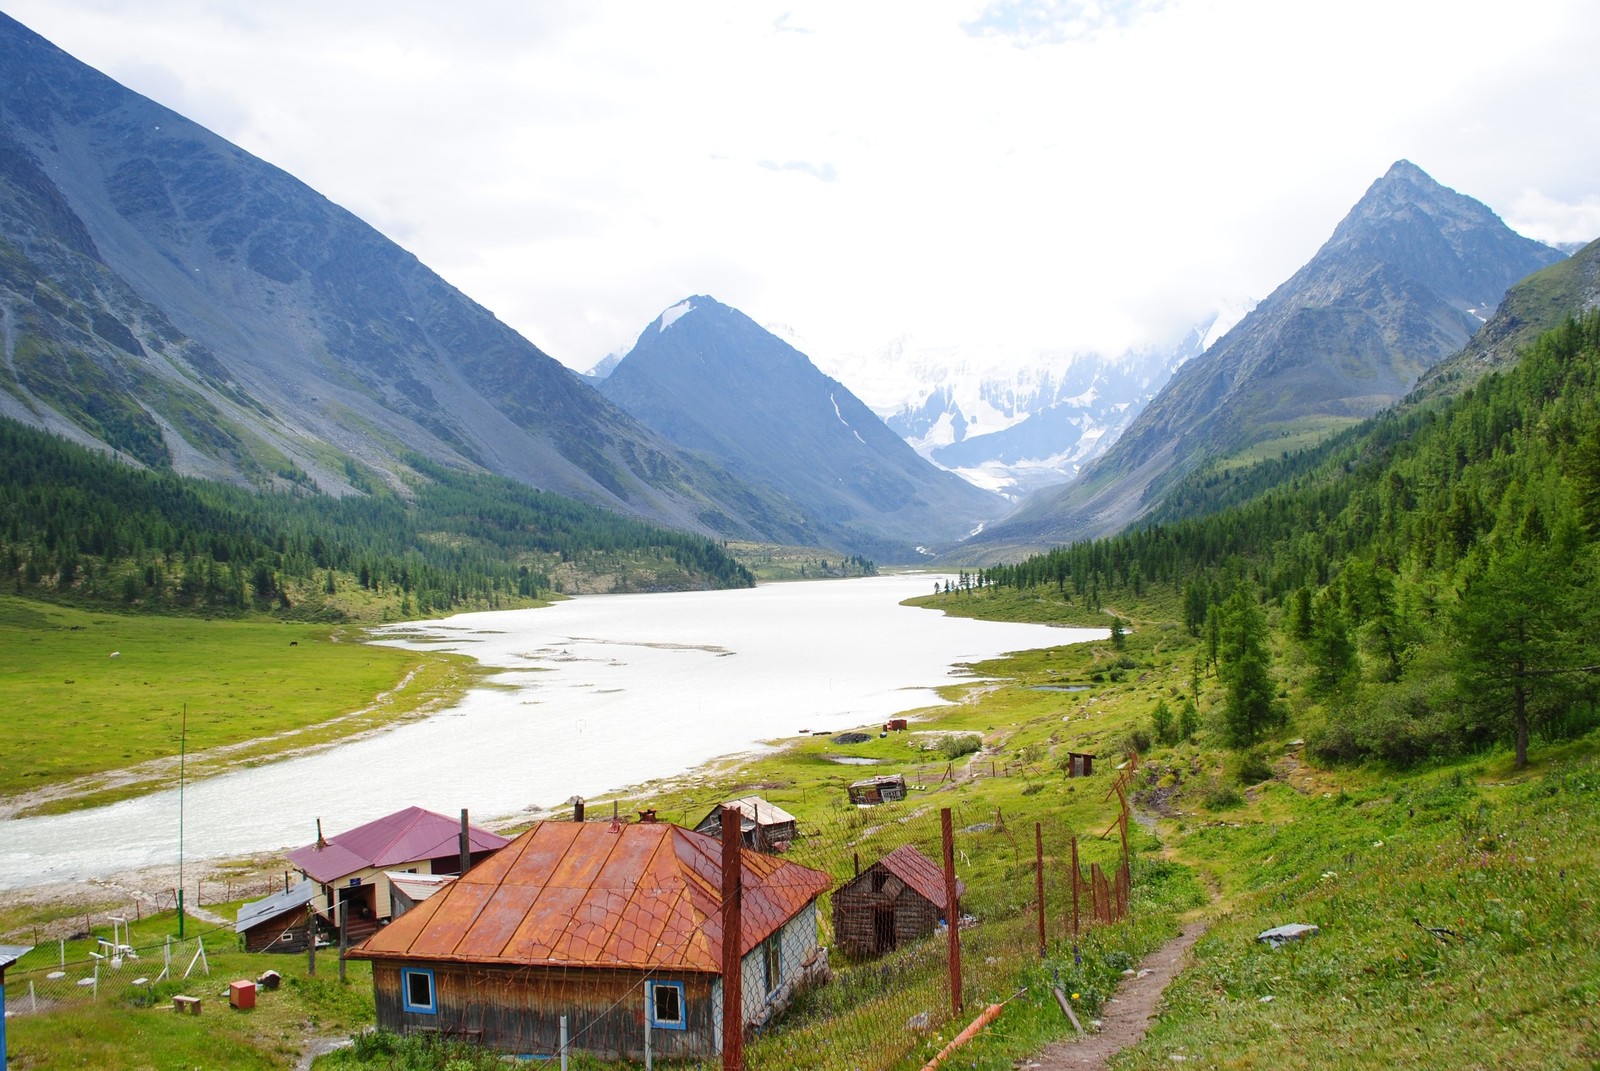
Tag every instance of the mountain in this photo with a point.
(167, 295)
(1406, 279)
(1535, 305)
(1017, 430)
(714, 381)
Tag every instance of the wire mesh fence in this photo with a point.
(67, 973)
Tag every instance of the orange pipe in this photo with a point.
(989, 1015)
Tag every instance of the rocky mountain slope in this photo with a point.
(170, 296)
(1406, 279)
(711, 380)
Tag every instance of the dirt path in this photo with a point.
(1126, 1016)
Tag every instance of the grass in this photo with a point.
(104, 694)
(1456, 905)
(133, 1026)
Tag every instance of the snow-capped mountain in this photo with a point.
(1013, 426)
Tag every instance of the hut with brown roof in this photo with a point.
(899, 898)
(616, 927)
(349, 868)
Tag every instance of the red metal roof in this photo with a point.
(646, 896)
(921, 873)
(406, 836)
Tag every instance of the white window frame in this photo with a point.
(406, 975)
(681, 1022)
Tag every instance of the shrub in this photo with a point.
(953, 747)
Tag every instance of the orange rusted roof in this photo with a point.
(918, 871)
(646, 896)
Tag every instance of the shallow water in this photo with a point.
(593, 694)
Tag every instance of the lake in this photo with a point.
(591, 695)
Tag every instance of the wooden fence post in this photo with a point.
(732, 934)
(952, 908)
(1074, 892)
(1038, 878)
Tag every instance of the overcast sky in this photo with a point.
(1011, 177)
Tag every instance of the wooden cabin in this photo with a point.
(349, 868)
(278, 923)
(763, 826)
(884, 788)
(899, 898)
(616, 926)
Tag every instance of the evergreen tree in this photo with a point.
(1245, 672)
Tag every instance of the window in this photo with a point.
(772, 960)
(416, 991)
(666, 1005)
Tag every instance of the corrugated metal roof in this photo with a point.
(757, 809)
(645, 896)
(418, 886)
(405, 836)
(297, 895)
(921, 873)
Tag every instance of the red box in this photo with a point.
(242, 995)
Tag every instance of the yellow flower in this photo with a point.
(1074, 996)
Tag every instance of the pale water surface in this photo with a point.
(594, 694)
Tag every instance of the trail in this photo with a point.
(1127, 1016)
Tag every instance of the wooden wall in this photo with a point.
(518, 1009)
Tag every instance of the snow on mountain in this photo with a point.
(1007, 422)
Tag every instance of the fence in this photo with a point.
(66, 973)
(848, 957)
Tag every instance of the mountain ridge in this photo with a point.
(1403, 282)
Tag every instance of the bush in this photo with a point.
(1253, 767)
(953, 747)
(1218, 795)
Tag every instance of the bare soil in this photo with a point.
(1127, 1016)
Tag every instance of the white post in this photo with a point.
(33, 998)
(63, 951)
(563, 1043)
(647, 1036)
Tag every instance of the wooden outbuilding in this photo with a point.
(885, 788)
(278, 923)
(763, 826)
(349, 868)
(899, 898)
(1079, 764)
(616, 927)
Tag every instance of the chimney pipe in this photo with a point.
(466, 847)
(320, 842)
(577, 808)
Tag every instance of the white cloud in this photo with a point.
(1012, 177)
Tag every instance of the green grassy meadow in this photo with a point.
(1456, 902)
(95, 695)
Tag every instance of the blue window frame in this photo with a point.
(416, 991)
(666, 1007)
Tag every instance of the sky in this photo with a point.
(1008, 179)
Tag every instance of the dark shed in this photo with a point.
(897, 899)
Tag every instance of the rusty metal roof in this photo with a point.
(646, 896)
(924, 876)
(406, 836)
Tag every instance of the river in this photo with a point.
(591, 695)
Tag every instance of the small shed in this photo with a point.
(899, 898)
(406, 891)
(763, 826)
(1079, 764)
(884, 788)
(278, 923)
